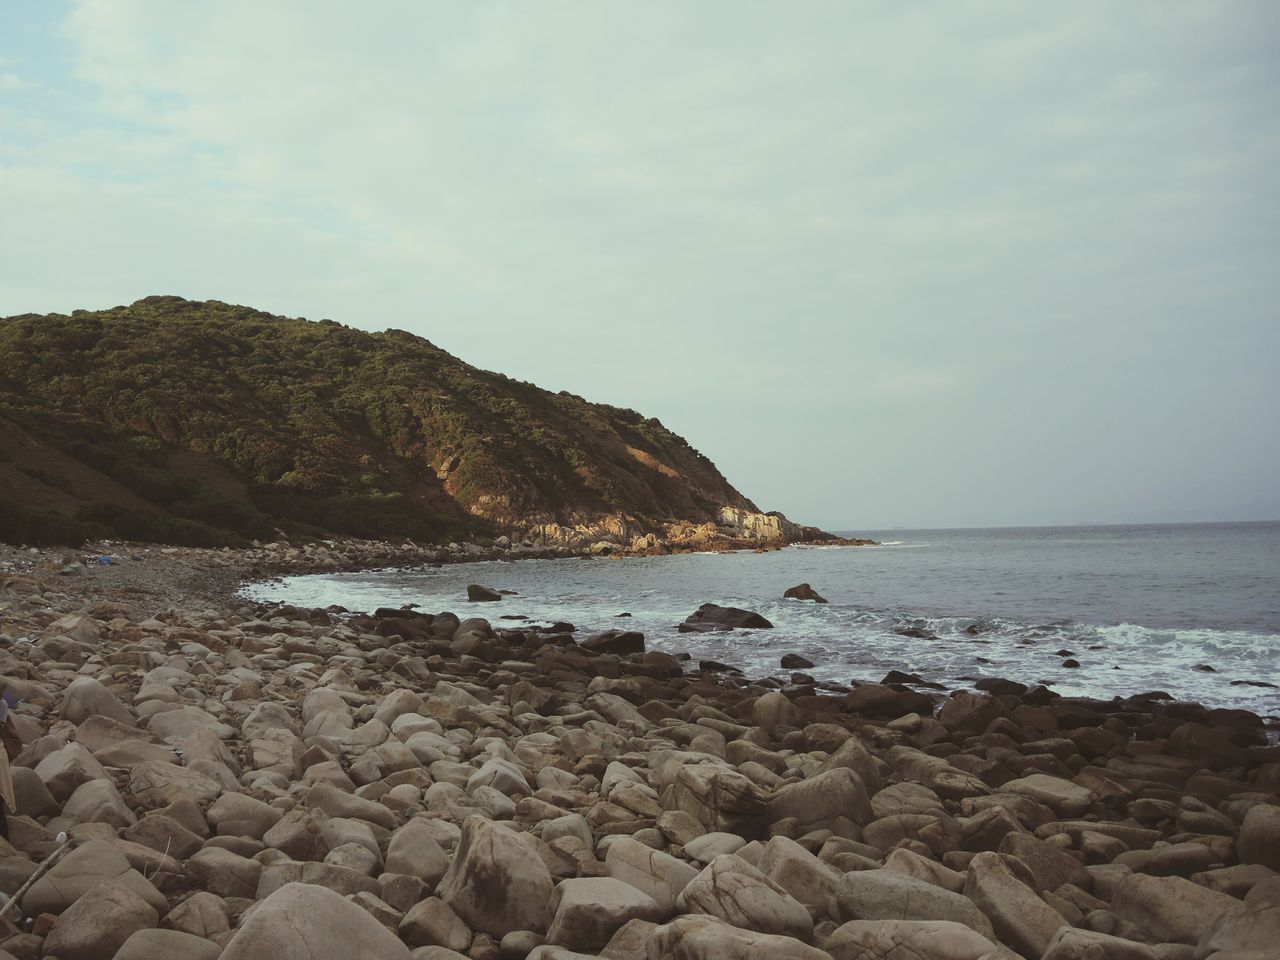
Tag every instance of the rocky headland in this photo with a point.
(207, 424)
(206, 777)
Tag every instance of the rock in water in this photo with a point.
(479, 594)
(621, 642)
(711, 617)
(497, 882)
(803, 591)
(301, 921)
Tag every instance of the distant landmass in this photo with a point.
(204, 423)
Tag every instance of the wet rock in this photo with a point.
(876, 700)
(709, 616)
(803, 591)
(793, 661)
(479, 594)
(497, 881)
(620, 642)
(305, 921)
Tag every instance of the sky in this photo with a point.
(983, 262)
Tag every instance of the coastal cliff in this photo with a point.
(205, 424)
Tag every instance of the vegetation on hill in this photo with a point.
(203, 423)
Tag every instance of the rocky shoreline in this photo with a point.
(241, 781)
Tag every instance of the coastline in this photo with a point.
(1050, 824)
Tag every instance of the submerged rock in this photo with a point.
(803, 592)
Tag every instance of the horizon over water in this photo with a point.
(1140, 606)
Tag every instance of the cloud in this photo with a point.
(906, 219)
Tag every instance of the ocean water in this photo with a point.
(1140, 607)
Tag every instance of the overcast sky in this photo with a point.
(916, 264)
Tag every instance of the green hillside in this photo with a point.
(207, 424)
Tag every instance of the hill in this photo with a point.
(204, 423)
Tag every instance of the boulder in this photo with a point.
(1021, 920)
(1259, 840)
(888, 702)
(911, 940)
(794, 661)
(66, 768)
(79, 871)
(883, 895)
(1170, 909)
(718, 797)
(803, 591)
(306, 922)
(822, 798)
(479, 594)
(98, 801)
(620, 642)
(658, 874)
(238, 815)
(709, 938)
(586, 912)
(709, 616)
(799, 872)
(774, 710)
(225, 873)
(98, 923)
(738, 893)
(497, 881)
(167, 945)
(86, 697)
(155, 784)
(178, 724)
(1066, 799)
(202, 914)
(414, 851)
(432, 923)
(1070, 943)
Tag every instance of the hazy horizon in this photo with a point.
(967, 265)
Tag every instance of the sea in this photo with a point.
(1192, 610)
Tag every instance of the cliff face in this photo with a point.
(190, 422)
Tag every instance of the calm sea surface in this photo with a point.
(1138, 606)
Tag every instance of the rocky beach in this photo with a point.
(206, 777)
